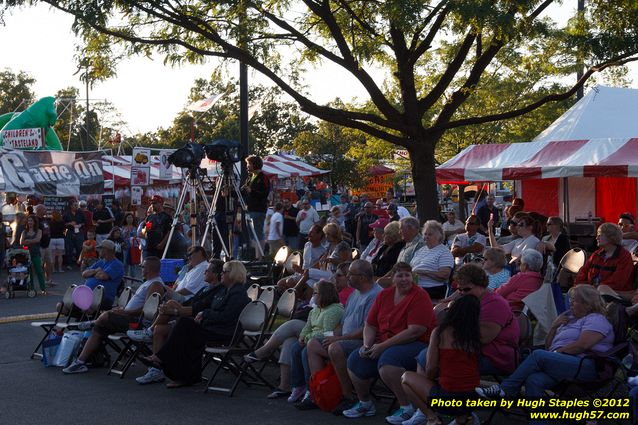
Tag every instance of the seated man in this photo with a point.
(159, 331)
(118, 319)
(193, 281)
(337, 348)
(629, 234)
(411, 235)
(313, 251)
(108, 271)
(470, 242)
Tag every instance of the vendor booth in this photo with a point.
(584, 165)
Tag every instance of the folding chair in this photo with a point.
(47, 327)
(294, 259)
(132, 349)
(90, 313)
(253, 291)
(285, 308)
(124, 297)
(253, 318)
(267, 297)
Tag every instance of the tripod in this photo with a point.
(194, 182)
(229, 183)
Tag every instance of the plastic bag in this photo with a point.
(50, 348)
(325, 388)
(68, 348)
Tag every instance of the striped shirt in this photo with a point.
(431, 259)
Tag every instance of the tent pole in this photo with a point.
(565, 200)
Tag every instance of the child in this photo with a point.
(88, 256)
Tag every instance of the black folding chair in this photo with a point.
(63, 316)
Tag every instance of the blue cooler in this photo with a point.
(170, 268)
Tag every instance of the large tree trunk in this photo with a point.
(424, 178)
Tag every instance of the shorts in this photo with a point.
(115, 322)
(56, 244)
(349, 345)
(403, 356)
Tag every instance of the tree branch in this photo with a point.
(422, 47)
(448, 76)
(529, 108)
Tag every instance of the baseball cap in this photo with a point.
(108, 244)
(381, 222)
(157, 198)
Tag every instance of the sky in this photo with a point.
(147, 93)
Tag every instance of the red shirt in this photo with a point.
(518, 287)
(614, 271)
(344, 294)
(390, 319)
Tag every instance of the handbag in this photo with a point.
(325, 388)
(68, 348)
(136, 252)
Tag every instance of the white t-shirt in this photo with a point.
(273, 235)
(517, 246)
(463, 241)
(403, 211)
(194, 280)
(431, 260)
(306, 219)
(311, 255)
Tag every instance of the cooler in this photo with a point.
(170, 268)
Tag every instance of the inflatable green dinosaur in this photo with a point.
(41, 114)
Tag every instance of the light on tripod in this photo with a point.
(188, 156)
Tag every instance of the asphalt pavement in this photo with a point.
(33, 394)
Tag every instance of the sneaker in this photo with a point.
(75, 367)
(360, 409)
(400, 415)
(152, 375)
(252, 358)
(69, 268)
(297, 393)
(417, 419)
(495, 391)
(344, 404)
(141, 335)
(306, 403)
(278, 393)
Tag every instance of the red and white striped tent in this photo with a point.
(293, 165)
(601, 173)
(213, 168)
(587, 159)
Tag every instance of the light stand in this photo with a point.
(194, 185)
(228, 181)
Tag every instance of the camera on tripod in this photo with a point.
(190, 155)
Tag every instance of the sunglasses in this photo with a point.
(464, 290)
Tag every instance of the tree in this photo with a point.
(15, 91)
(454, 43)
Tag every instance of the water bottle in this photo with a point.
(628, 361)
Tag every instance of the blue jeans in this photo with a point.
(543, 370)
(299, 369)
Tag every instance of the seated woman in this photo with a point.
(610, 267)
(387, 256)
(525, 229)
(181, 356)
(341, 282)
(583, 328)
(324, 320)
(376, 243)
(528, 280)
(337, 252)
(556, 242)
(396, 330)
(494, 266)
(453, 363)
(434, 262)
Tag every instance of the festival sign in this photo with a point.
(141, 167)
(52, 173)
(24, 138)
(165, 172)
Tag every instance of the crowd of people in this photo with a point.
(374, 317)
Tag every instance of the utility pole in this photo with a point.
(87, 122)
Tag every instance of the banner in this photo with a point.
(165, 172)
(52, 173)
(55, 203)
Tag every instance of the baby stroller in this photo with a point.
(19, 265)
